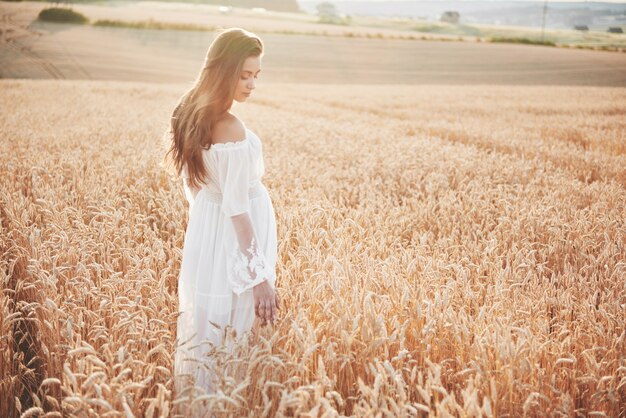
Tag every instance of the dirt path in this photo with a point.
(32, 49)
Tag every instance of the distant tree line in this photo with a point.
(450, 17)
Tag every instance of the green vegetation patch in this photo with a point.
(521, 41)
(153, 24)
(448, 29)
(62, 14)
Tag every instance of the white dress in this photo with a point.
(215, 281)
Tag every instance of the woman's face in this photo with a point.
(247, 79)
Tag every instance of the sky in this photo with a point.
(496, 1)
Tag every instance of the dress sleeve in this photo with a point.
(246, 263)
(233, 166)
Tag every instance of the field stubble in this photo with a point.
(442, 250)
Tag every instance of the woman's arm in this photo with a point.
(250, 269)
(266, 302)
(244, 230)
(251, 258)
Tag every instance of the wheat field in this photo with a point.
(443, 251)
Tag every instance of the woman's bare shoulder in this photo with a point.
(228, 129)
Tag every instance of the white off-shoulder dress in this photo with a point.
(216, 280)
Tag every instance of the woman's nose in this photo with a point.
(251, 84)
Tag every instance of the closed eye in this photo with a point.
(247, 73)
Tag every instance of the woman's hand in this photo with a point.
(266, 303)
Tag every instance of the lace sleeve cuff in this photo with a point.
(248, 270)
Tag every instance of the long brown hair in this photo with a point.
(207, 101)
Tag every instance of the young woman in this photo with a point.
(229, 256)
